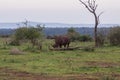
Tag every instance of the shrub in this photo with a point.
(14, 43)
(73, 34)
(76, 36)
(100, 39)
(85, 38)
(114, 36)
(30, 33)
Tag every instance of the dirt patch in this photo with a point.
(102, 64)
(10, 74)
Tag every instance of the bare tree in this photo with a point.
(92, 7)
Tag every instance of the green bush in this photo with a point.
(14, 42)
(114, 36)
(76, 36)
(32, 34)
(85, 38)
(100, 39)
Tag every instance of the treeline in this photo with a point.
(57, 31)
(36, 36)
(6, 32)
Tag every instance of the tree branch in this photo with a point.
(86, 6)
(99, 16)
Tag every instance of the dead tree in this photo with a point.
(92, 7)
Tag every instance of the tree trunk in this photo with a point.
(95, 30)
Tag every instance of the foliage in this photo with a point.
(20, 33)
(114, 36)
(73, 34)
(101, 37)
(85, 38)
(14, 42)
(28, 33)
(71, 30)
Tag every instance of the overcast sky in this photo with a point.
(61, 11)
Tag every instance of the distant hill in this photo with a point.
(50, 25)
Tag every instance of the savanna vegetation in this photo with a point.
(29, 55)
(27, 61)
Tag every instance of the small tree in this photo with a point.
(73, 34)
(29, 33)
(20, 33)
(32, 34)
(18, 36)
(71, 30)
(92, 7)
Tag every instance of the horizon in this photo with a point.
(53, 25)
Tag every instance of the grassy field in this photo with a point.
(100, 64)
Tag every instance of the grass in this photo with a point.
(103, 60)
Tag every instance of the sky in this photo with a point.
(59, 11)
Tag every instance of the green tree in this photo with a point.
(71, 32)
(18, 36)
(20, 33)
(33, 34)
